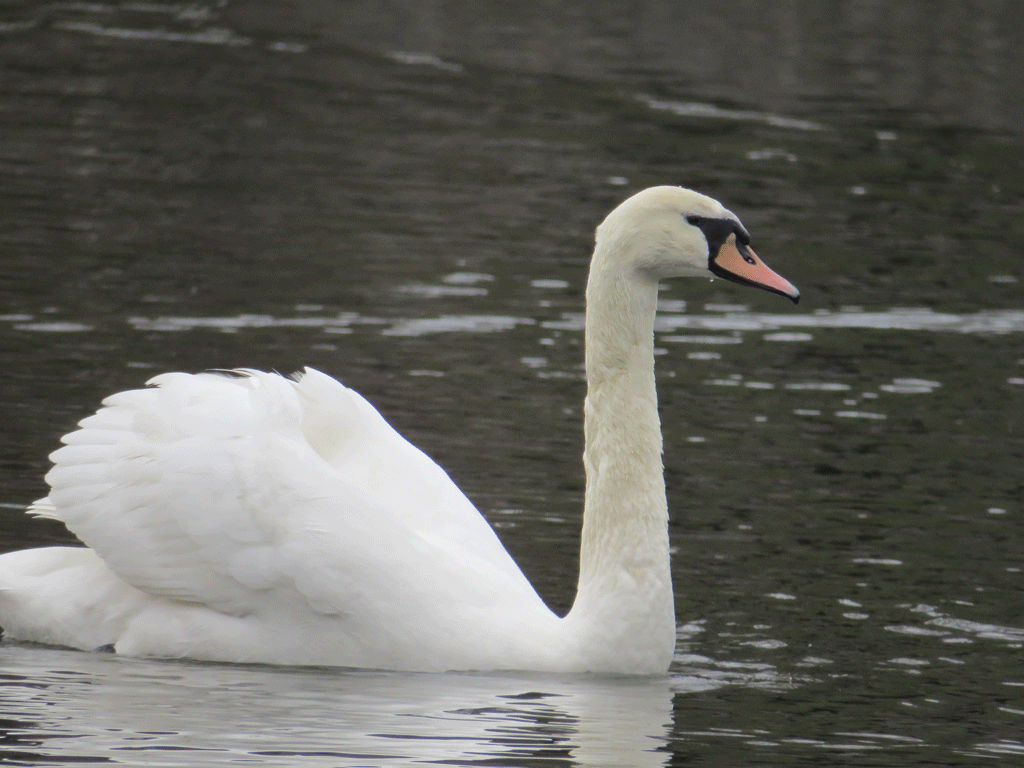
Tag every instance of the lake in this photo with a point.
(403, 195)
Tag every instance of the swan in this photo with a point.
(249, 517)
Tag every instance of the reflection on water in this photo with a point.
(102, 708)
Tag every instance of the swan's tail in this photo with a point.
(63, 596)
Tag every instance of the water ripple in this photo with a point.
(456, 323)
(986, 321)
(210, 36)
(896, 319)
(710, 111)
(989, 321)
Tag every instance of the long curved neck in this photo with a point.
(625, 588)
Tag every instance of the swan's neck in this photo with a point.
(625, 587)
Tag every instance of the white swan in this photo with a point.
(254, 518)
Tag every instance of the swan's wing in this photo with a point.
(352, 436)
(371, 456)
(222, 490)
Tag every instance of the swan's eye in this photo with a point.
(741, 248)
(695, 220)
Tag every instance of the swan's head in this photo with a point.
(676, 232)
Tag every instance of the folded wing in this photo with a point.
(238, 491)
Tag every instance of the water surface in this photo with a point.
(404, 198)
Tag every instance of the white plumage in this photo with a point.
(249, 517)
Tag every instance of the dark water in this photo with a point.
(403, 195)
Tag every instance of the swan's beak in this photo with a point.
(737, 262)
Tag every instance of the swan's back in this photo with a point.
(251, 509)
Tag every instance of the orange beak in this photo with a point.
(737, 262)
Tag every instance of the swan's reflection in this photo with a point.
(92, 706)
